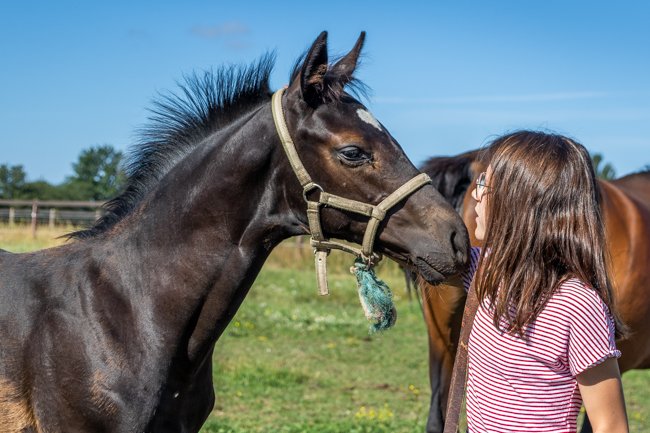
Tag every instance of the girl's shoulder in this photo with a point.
(578, 297)
(573, 288)
(591, 332)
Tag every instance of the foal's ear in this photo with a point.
(312, 71)
(344, 68)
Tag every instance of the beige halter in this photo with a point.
(376, 213)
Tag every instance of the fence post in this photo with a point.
(34, 217)
(52, 217)
(12, 216)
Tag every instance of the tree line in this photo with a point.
(98, 174)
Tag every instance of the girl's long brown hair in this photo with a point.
(544, 225)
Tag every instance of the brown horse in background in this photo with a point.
(626, 211)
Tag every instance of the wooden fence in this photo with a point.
(50, 212)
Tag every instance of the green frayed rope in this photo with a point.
(375, 296)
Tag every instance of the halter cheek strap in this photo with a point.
(376, 213)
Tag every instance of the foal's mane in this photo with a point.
(204, 104)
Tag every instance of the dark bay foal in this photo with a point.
(114, 331)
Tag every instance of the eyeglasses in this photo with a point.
(481, 186)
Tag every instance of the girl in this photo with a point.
(542, 342)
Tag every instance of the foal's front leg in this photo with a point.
(186, 401)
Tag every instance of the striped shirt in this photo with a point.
(517, 385)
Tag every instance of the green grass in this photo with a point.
(292, 361)
(18, 238)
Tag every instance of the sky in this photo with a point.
(445, 76)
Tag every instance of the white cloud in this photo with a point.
(224, 30)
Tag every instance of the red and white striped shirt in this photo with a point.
(517, 385)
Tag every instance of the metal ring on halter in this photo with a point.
(309, 188)
(372, 260)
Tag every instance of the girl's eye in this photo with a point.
(353, 154)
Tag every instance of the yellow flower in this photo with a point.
(385, 413)
(371, 413)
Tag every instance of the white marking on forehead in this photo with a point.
(368, 118)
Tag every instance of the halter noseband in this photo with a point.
(376, 213)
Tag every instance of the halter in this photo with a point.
(376, 213)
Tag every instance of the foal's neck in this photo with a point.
(210, 225)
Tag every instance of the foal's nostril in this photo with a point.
(459, 243)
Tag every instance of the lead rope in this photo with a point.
(459, 373)
(374, 293)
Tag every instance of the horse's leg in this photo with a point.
(408, 280)
(443, 308)
(186, 402)
(586, 426)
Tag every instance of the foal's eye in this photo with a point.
(353, 155)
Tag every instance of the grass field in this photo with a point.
(292, 361)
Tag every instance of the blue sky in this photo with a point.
(445, 76)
